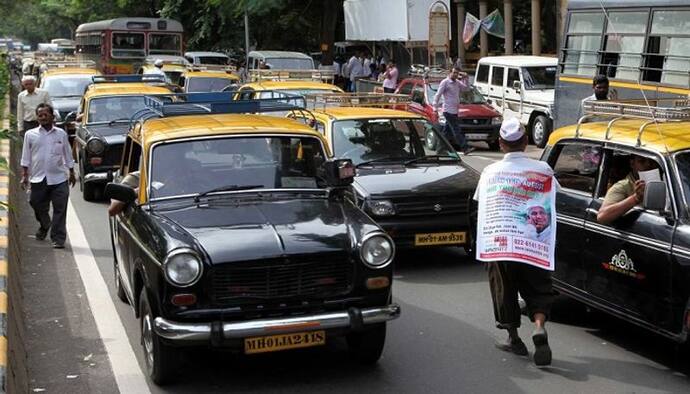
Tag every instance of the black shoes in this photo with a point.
(542, 351)
(41, 234)
(58, 245)
(515, 346)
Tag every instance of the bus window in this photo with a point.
(128, 45)
(582, 43)
(668, 48)
(623, 44)
(164, 44)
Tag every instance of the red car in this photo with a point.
(480, 122)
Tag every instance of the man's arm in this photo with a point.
(47, 98)
(67, 157)
(611, 211)
(439, 93)
(26, 160)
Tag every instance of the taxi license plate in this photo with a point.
(276, 343)
(475, 136)
(440, 238)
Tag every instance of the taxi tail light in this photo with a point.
(96, 161)
(183, 299)
(379, 282)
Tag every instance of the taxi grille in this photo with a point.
(416, 206)
(277, 279)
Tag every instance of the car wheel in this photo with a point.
(366, 346)
(160, 359)
(431, 140)
(541, 128)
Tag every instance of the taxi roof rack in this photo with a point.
(212, 67)
(426, 72)
(678, 110)
(124, 78)
(380, 100)
(52, 64)
(291, 75)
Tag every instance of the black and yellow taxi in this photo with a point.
(409, 178)
(634, 265)
(237, 233)
(280, 87)
(103, 120)
(208, 78)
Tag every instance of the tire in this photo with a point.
(541, 128)
(366, 346)
(160, 359)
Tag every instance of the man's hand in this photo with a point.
(25, 181)
(639, 191)
(72, 179)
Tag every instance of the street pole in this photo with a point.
(246, 44)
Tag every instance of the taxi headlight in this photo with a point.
(95, 146)
(497, 120)
(377, 250)
(381, 207)
(182, 267)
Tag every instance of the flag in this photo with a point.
(493, 24)
(472, 25)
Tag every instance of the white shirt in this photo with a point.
(355, 68)
(27, 103)
(47, 155)
(366, 67)
(157, 71)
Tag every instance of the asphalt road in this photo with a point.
(442, 343)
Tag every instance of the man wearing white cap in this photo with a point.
(27, 102)
(158, 70)
(509, 275)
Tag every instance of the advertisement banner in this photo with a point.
(517, 216)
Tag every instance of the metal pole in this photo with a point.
(508, 12)
(536, 27)
(246, 44)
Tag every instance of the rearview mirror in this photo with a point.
(516, 85)
(120, 192)
(654, 196)
(339, 172)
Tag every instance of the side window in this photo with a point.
(617, 167)
(246, 94)
(418, 94)
(576, 166)
(497, 76)
(406, 88)
(181, 81)
(482, 74)
(513, 75)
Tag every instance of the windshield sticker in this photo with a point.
(623, 264)
(298, 182)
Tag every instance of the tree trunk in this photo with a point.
(331, 11)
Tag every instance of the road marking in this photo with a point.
(128, 375)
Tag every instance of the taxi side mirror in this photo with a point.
(120, 192)
(339, 172)
(655, 196)
(71, 117)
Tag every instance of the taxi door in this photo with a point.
(628, 262)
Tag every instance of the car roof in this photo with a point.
(663, 137)
(345, 113)
(292, 84)
(205, 54)
(186, 126)
(520, 61)
(211, 74)
(279, 54)
(70, 71)
(129, 88)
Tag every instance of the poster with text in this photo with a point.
(517, 217)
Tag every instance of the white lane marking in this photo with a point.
(128, 375)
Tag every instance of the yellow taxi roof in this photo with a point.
(344, 113)
(185, 126)
(102, 89)
(293, 84)
(70, 71)
(662, 137)
(211, 74)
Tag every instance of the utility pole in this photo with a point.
(246, 44)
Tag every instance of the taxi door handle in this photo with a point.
(592, 211)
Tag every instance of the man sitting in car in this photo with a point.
(626, 193)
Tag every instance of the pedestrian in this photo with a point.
(345, 72)
(449, 89)
(600, 88)
(366, 66)
(508, 274)
(27, 102)
(390, 81)
(46, 162)
(355, 69)
(381, 73)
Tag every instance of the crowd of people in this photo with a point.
(364, 66)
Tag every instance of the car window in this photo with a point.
(497, 76)
(207, 84)
(67, 86)
(482, 74)
(406, 88)
(513, 75)
(576, 166)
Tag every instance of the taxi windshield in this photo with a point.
(471, 96)
(220, 60)
(392, 140)
(207, 84)
(114, 108)
(235, 163)
(66, 86)
(683, 164)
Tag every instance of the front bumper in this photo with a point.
(353, 318)
(98, 177)
(404, 230)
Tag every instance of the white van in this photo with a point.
(280, 60)
(521, 86)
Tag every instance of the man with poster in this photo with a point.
(516, 235)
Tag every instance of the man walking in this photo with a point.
(449, 90)
(27, 102)
(46, 161)
(516, 262)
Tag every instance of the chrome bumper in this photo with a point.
(96, 177)
(256, 328)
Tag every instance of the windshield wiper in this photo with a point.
(226, 188)
(112, 122)
(383, 159)
(431, 157)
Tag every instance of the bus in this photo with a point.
(119, 46)
(643, 47)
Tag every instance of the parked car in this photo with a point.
(238, 234)
(207, 58)
(104, 115)
(636, 267)
(205, 79)
(409, 177)
(480, 122)
(522, 87)
(298, 87)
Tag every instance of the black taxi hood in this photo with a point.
(397, 180)
(113, 134)
(248, 231)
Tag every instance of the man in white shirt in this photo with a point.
(27, 102)
(600, 86)
(355, 69)
(46, 162)
(158, 70)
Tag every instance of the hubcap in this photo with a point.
(538, 132)
(147, 338)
